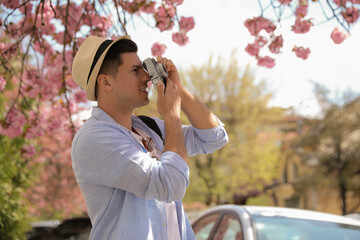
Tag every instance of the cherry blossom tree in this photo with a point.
(40, 104)
(48, 33)
(268, 34)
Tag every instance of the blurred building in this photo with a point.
(292, 189)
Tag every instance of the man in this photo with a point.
(132, 182)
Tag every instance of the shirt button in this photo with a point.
(164, 224)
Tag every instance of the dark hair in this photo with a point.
(113, 60)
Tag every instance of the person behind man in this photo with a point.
(132, 182)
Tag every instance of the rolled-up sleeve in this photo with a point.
(106, 156)
(202, 141)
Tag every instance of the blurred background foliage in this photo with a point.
(261, 142)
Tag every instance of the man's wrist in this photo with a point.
(172, 119)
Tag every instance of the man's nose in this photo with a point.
(144, 76)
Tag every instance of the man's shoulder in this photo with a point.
(96, 129)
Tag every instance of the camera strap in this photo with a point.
(151, 124)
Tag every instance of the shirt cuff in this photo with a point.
(175, 160)
(212, 134)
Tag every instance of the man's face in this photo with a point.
(130, 83)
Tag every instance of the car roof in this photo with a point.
(46, 223)
(268, 211)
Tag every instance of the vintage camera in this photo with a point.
(156, 71)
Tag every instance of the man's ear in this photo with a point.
(104, 82)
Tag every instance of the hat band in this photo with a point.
(100, 50)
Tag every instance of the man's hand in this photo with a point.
(169, 107)
(168, 100)
(172, 70)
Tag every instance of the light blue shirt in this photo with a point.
(124, 188)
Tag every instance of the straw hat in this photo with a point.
(88, 61)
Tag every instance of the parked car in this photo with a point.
(353, 215)
(40, 227)
(234, 222)
(71, 229)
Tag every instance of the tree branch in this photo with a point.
(64, 71)
(337, 18)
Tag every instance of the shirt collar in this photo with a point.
(100, 114)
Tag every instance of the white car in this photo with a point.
(235, 222)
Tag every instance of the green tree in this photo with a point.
(332, 147)
(16, 175)
(17, 171)
(249, 161)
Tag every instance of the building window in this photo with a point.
(293, 202)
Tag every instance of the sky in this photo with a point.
(219, 30)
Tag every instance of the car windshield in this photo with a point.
(282, 228)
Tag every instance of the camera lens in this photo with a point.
(144, 66)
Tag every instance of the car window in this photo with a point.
(229, 229)
(204, 226)
(281, 228)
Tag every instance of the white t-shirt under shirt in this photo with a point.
(171, 215)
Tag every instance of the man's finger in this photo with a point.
(160, 88)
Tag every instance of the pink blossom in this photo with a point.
(75, 11)
(180, 38)
(149, 84)
(340, 2)
(166, 11)
(261, 41)
(43, 47)
(13, 125)
(32, 116)
(2, 83)
(11, 4)
(72, 106)
(52, 83)
(164, 22)
(28, 151)
(301, 52)
(257, 24)
(99, 25)
(302, 26)
(266, 62)
(70, 82)
(26, 8)
(252, 49)
(31, 84)
(351, 15)
(186, 24)
(59, 37)
(148, 7)
(80, 96)
(53, 124)
(158, 49)
(33, 132)
(285, 2)
(268, 26)
(337, 36)
(276, 44)
(301, 11)
(175, 2)
(43, 21)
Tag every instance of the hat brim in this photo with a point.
(90, 91)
